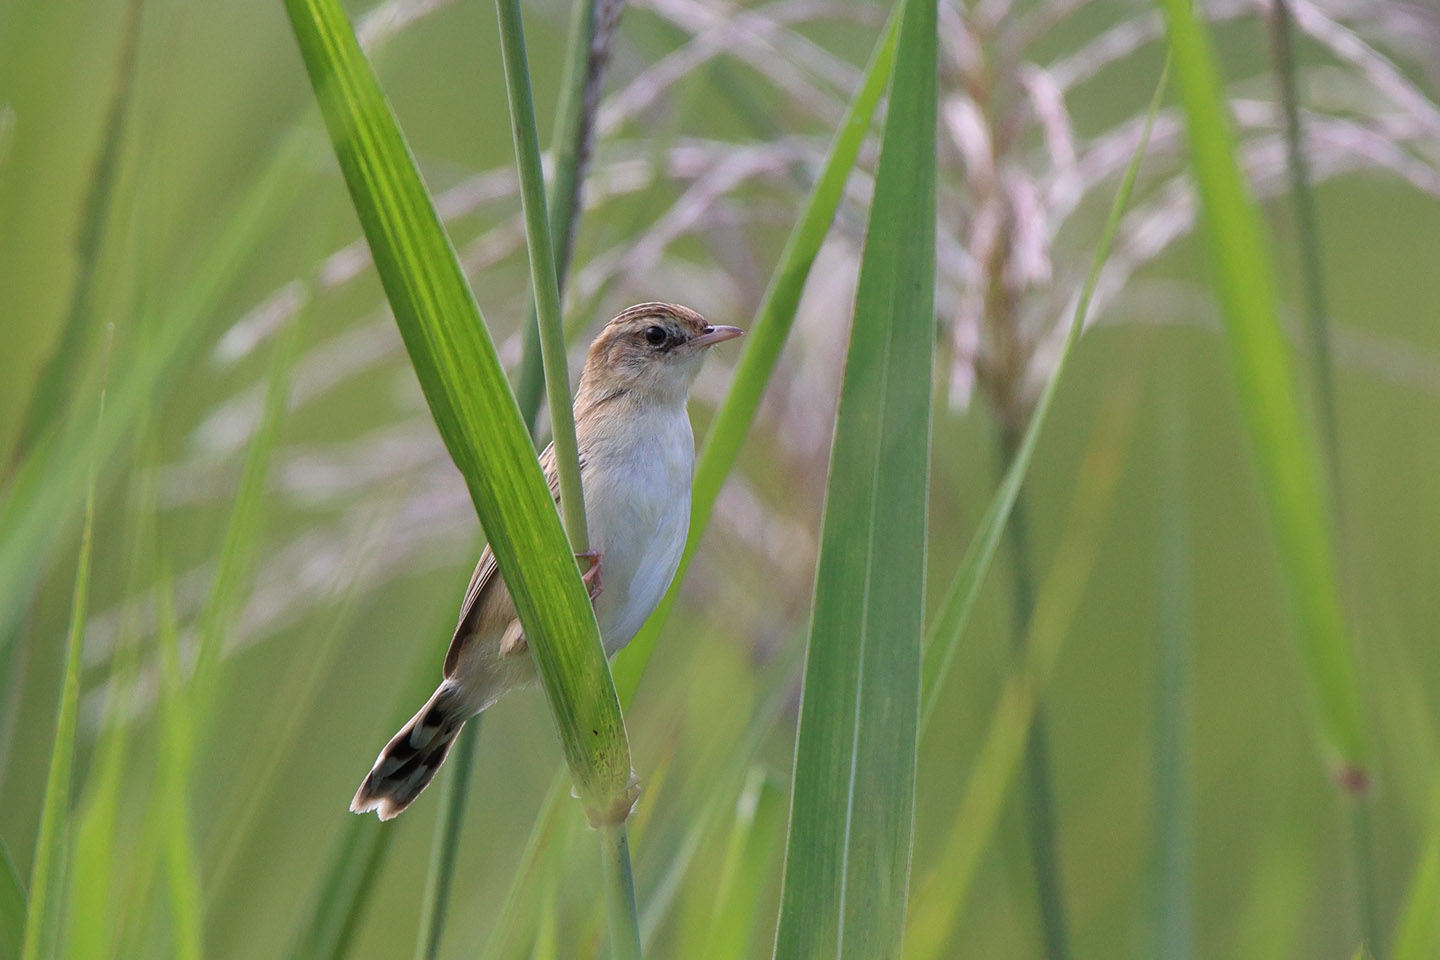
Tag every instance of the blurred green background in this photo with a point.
(367, 533)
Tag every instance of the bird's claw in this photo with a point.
(591, 577)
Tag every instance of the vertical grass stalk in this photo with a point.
(1322, 368)
(446, 845)
(544, 286)
(587, 51)
(1174, 803)
(1036, 789)
(51, 839)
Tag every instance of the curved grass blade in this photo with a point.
(847, 856)
(943, 638)
(764, 340)
(1292, 479)
(941, 897)
(465, 386)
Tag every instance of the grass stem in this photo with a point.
(544, 285)
(446, 846)
(620, 893)
(1036, 787)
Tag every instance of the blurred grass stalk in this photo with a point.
(942, 896)
(1322, 371)
(848, 848)
(1291, 472)
(1174, 796)
(42, 915)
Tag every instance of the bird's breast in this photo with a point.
(637, 504)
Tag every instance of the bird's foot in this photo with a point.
(591, 576)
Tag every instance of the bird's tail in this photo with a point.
(409, 761)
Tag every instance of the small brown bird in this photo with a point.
(637, 456)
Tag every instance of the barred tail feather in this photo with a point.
(410, 760)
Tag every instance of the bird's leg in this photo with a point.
(591, 576)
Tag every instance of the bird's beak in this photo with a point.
(714, 335)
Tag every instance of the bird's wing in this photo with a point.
(486, 598)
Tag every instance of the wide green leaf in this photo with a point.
(465, 386)
(1291, 476)
(848, 851)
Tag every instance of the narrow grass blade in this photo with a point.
(446, 844)
(182, 875)
(1174, 800)
(345, 889)
(93, 909)
(12, 907)
(941, 897)
(543, 284)
(58, 375)
(1307, 235)
(1291, 475)
(52, 837)
(476, 414)
(1417, 930)
(943, 637)
(847, 857)
(38, 508)
(353, 865)
(759, 820)
(764, 340)
(234, 561)
(587, 52)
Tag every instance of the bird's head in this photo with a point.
(651, 351)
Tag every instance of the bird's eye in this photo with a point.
(654, 336)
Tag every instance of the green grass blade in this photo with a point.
(12, 907)
(543, 284)
(52, 837)
(446, 845)
(92, 908)
(1174, 789)
(177, 746)
(345, 889)
(940, 898)
(1292, 479)
(235, 558)
(943, 637)
(1307, 233)
(759, 820)
(58, 375)
(764, 340)
(465, 386)
(848, 851)
(587, 51)
(39, 506)
(1417, 930)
